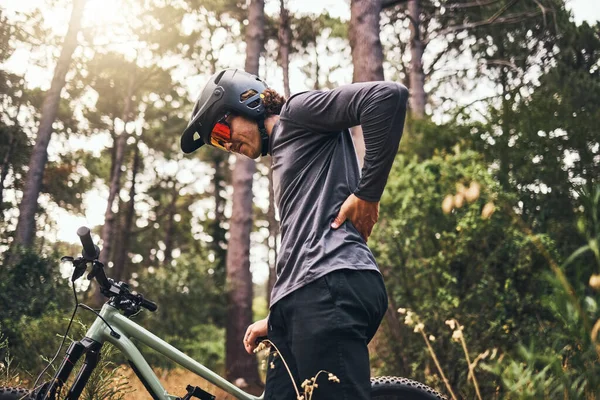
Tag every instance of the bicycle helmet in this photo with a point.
(230, 90)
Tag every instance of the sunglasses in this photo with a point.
(221, 133)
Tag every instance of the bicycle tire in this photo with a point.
(397, 388)
(15, 393)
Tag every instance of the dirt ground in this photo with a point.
(175, 382)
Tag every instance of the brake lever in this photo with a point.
(79, 264)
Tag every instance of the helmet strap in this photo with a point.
(263, 136)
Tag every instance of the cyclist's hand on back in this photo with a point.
(254, 331)
(363, 215)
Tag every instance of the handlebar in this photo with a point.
(148, 305)
(91, 252)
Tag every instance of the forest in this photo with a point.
(489, 230)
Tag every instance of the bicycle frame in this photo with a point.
(100, 333)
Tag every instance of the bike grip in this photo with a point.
(149, 305)
(90, 251)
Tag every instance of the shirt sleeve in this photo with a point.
(380, 109)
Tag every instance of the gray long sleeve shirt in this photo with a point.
(315, 169)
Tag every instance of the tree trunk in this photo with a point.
(255, 35)
(5, 167)
(273, 235)
(29, 203)
(115, 178)
(115, 185)
(216, 230)
(502, 141)
(170, 231)
(284, 46)
(367, 53)
(121, 253)
(219, 244)
(418, 98)
(239, 365)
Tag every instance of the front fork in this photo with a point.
(86, 346)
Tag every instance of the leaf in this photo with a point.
(576, 254)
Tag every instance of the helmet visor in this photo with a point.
(221, 133)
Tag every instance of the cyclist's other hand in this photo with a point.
(254, 331)
(363, 215)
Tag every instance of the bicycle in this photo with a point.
(113, 325)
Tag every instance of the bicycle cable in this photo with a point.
(112, 331)
(60, 347)
(77, 305)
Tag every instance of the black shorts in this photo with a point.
(326, 325)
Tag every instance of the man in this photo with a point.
(329, 297)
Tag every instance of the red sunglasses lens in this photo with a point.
(221, 134)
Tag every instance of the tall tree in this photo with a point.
(125, 230)
(417, 77)
(29, 203)
(116, 169)
(284, 36)
(367, 52)
(238, 364)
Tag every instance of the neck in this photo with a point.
(270, 123)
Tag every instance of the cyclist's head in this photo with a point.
(230, 112)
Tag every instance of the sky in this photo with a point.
(103, 11)
(585, 10)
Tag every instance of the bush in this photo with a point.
(445, 255)
(32, 297)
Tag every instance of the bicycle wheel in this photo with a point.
(15, 393)
(396, 388)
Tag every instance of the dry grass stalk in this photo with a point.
(458, 336)
(437, 364)
(420, 327)
(309, 385)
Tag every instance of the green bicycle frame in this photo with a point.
(128, 329)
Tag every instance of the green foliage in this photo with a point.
(3, 340)
(15, 148)
(203, 342)
(65, 183)
(29, 289)
(534, 374)
(491, 274)
(424, 139)
(457, 265)
(190, 308)
(544, 145)
(36, 340)
(35, 304)
(107, 381)
(568, 363)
